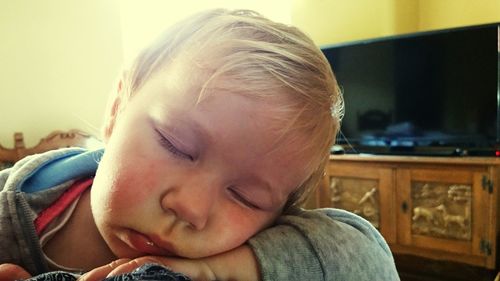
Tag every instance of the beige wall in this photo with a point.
(335, 21)
(58, 60)
(436, 14)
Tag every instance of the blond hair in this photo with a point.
(247, 53)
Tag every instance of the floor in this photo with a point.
(413, 268)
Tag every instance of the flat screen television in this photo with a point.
(426, 93)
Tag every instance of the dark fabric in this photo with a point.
(149, 272)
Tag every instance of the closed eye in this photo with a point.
(171, 148)
(240, 198)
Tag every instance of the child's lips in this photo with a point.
(148, 245)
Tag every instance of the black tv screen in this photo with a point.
(423, 93)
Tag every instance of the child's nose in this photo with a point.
(192, 203)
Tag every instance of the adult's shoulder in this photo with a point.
(335, 222)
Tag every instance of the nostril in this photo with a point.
(166, 206)
(191, 226)
(170, 211)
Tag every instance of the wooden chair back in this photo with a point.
(56, 139)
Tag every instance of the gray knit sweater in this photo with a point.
(325, 244)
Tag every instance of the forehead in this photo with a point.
(184, 84)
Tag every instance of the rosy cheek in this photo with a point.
(132, 187)
(242, 225)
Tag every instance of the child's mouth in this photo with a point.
(144, 244)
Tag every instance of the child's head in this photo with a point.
(216, 128)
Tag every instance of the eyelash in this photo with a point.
(171, 148)
(242, 199)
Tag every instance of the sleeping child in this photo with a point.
(213, 138)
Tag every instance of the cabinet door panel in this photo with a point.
(439, 209)
(366, 192)
(356, 195)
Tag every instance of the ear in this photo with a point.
(112, 111)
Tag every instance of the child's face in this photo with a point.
(191, 180)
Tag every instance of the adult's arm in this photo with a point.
(323, 244)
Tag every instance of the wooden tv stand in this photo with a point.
(439, 208)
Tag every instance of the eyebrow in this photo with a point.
(192, 125)
(180, 124)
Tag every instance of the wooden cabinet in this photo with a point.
(433, 207)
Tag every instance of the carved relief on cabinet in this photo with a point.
(441, 210)
(359, 196)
